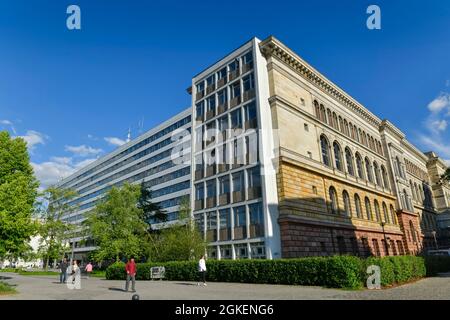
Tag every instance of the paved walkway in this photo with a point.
(48, 288)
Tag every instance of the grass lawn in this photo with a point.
(6, 289)
(98, 274)
(38, 273)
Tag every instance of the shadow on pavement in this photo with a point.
(5, 278)
(186, 284)
(117, 289)
(443, 275)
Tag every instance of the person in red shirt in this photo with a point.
(130, 268)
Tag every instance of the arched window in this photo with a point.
(341, 125)
(377, 174)
(349, 160)
(393, 219)
(323, 115)
(385, 177)
(358, 206)
(359, 166)
(359, 137)
(368, 209)
(325, 150)
(347, 207)
(419, 195)
(398, 167)
(377, 210)
(385, 213)
(380, 148)
(330, 118)
(346, 129)
(337, 156)
(317, 109)
(333, 200)
(352, 133)
(335, 121)
(372, 143)
(413, 191)
(408, 204)
(368, 170)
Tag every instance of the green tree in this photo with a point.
(150, 209)
(55, 202)
(117, 225)
(18, 191)
(179, 241)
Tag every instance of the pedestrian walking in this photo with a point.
(130, 268)
(63, 274)
(88, 269)
(75, 271)
(202, 271)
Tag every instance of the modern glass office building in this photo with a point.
(156, 158)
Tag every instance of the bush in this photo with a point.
(437, 264)
(334, 272)
(397, 269)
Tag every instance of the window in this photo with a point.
(211, 226)
(256, 220)
(413, 191)
(399, 167)
(248, 82)
(240, 222)
(250, 113)
(211, 103)
(385, 177)
(377, 211)
(359, 166)
(325, 150)
(236, 119)
(341, 245)
(368, 170)
(394, 221)
(199, 109)
(224, 184)
(199, 191)
(211, 188)
(376, 248)
(368, 209)
(248, 57)
(241, 251)
(349, 160)
(222, 97)
(385, 213)
(235, 90)
(224, 224)
(223, 123)
(333, 200)
(238, 181)
(347, 207)
(323, 115)
(200, 86)
(337, 156)
(358, 206)
(210, 80)
(317, 109)
(225, 252)
(377, 174)
(222, 73)
(254, 177)
(413, 231)
(234, 65)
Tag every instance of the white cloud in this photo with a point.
(83, 150)
(34, 138)
(115, 141)
(440, 125)
(440, 103)
(9, 124)
(435, 144)
(51, 172)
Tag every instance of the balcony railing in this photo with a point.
(247, 67)
(251, 124)
(224, 199)
(210, 170)
(224, 234)
(238, 196)
(234, 74)
(211, 235)
(221, 82)
(198, 174)
(240, 232)
(223, 167)
(210, 202)
(210, 114)
(221, 108)
(210, 88)
(235, 101)
(200, 95)
(198, 205)
(249, 94)
(254, 193)
(199, 117)
(256, 230)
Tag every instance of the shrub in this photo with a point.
(334, 272)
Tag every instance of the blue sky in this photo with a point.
(74, 94)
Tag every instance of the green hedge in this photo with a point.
(334, 272)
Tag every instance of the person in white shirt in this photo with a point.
(202, 271)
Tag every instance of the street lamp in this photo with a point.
(386, 245)
(435, 241)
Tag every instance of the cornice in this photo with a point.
(274, 48)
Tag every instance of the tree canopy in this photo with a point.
(18, 191)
